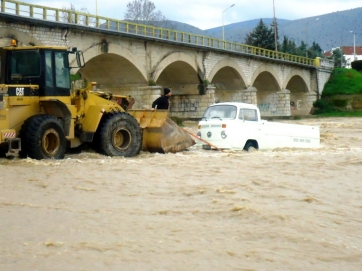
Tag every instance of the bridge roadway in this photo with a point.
(139, 60)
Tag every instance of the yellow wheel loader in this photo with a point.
(40, 117)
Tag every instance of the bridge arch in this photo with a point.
(228, 70)
(171, 59)
(265, 78)
(179, 71)
(301, 98)
(118, 68)
(228, 79)
(267, 82)
(296, 82)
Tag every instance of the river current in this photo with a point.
(286, 209)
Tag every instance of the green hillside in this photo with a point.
(342, 95)
(343, 82)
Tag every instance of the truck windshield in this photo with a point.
(25, 64)
(221, 112)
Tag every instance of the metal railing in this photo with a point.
(85, 19)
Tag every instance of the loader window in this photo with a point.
(25, 64)
(48, 69)
(62, 77)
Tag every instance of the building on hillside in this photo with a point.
(349, 52)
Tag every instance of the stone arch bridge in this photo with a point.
(199, 70)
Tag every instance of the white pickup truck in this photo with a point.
(238, 126)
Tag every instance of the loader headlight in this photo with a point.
(223, 135)
(198, 134)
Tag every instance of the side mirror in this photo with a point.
(80, 59)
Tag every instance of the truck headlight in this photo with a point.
(198, 134)
(223, 135)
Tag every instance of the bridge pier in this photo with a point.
(249, 96)
(274, 103)
(302, 103)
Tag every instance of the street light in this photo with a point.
(275, 30)
(354, 45)
(97, 8)
(223, 37)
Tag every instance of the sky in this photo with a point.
(206, 14)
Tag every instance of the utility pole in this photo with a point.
(275, 30)
(354, 45)
(223, 36)
(96, 7)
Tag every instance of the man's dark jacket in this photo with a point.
(161, 102)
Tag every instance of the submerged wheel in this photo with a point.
(42, 137)
(250, 147)
(119, 134)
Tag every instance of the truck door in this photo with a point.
(250, 124)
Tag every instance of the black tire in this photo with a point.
(249, 146)
(42, 137)
(3, 151)
(118, 134)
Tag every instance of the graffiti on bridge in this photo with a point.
(267, 108)
(186, 105)
(300, 104)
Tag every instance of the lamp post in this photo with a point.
(354, 45)
(96, 7)
(223, 37)
(275, 30)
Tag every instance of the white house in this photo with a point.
(350, 54)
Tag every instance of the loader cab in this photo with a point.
(46, 67)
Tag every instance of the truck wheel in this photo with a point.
(249, 147)
(42, 137)
(119, 134)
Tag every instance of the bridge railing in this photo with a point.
(85, 19)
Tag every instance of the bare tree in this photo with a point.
(144, 12)
(69, 16)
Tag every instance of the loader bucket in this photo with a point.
(160, 133)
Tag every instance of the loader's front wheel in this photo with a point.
(42, 137)
(119, 134)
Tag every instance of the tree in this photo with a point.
(275, 34)
(261, 36)
(301, 50)
(144, 12)
(338, 58)
(249, 39)
(69, 16)
(289, 47)
(315, 50)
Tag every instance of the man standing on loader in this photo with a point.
(163, 101)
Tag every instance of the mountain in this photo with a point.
(328, 30)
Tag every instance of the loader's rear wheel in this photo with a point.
(42, 137)
(119, 134)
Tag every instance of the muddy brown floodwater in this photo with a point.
(285, 209)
